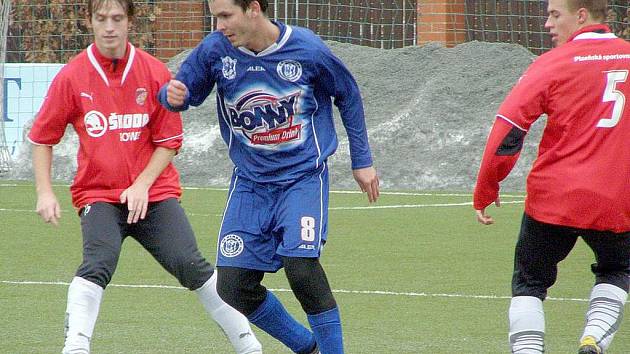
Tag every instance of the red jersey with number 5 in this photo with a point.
(113, 107)
(581, 176)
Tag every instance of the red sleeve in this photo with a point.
(520, 109)
(494, 166)
(528, 98)
(166, 128)
(56, 113)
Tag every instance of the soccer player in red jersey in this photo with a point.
(125, 183)
(579, 185)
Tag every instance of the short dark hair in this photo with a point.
(94, 5)
(597, 8)
(244, 4)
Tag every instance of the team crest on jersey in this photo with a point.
(231, 245)
(289, 70)
(264, 118)
(229, 67)
(141, 96)
(95, 123)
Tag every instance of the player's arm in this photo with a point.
(501, 153)
(137, 195)
(47, 205)
(48, 128)
(193, 82)
(340, 84)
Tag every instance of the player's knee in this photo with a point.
(617, 275)
(309, 284)
(241, 288)
(99, 273)
(191, 272)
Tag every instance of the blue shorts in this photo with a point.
(263, 222)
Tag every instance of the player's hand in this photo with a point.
(137, 199)
(176, 93)
(48, 208)
(368, 182)
(484, 218)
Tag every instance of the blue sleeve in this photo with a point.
(337, 81)
(196, 73)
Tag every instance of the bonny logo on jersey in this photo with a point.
(231, 245)
(96, 124)
(229, 67)
(264, 118)
(289, 70)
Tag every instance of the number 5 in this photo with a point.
(612, 94)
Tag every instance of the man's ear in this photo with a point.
(582, 16)
(253, 10)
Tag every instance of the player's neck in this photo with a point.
(265, 37)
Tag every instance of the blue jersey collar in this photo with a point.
(285, 33)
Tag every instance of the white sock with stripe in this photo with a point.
(234, 324)
(527, 325)
(605, 311)
(84, 302)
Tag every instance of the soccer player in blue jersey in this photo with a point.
(275, 88)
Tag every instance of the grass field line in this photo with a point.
(418, 194)
(337, 291)
(399, 206)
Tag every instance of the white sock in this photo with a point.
(234, 324)
(605, 311)
(84, 301)
(527, 325)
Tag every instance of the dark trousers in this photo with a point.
(165, 233)
(542, 246)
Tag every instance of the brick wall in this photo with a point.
(441, 21)
(180, 25)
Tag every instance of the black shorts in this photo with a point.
(165, 233)
(542, 246)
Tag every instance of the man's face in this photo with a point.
(232, 21)
(111, 29)
(562, 22)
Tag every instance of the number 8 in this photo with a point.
(308, 228)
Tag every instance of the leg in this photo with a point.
(310, 286)
(610, 292)
(168, 236)
(302, 224)
(539, 249)
(102, 240)
(241, 288)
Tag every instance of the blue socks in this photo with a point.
(326, 327)
(274, 319)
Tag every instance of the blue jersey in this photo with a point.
(275, 107)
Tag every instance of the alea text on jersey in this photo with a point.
(263, 118)
(96, 124)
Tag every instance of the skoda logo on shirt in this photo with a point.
(95, 123)
(289, 70)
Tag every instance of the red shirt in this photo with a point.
(113, 107)
(581, 177)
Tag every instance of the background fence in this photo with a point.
(54, 30)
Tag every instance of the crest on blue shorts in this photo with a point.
(231, 245)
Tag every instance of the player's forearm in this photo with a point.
(42, 162)
(159, 161)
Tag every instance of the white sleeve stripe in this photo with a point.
(35, 143)
(171, 138)
(509, 121)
